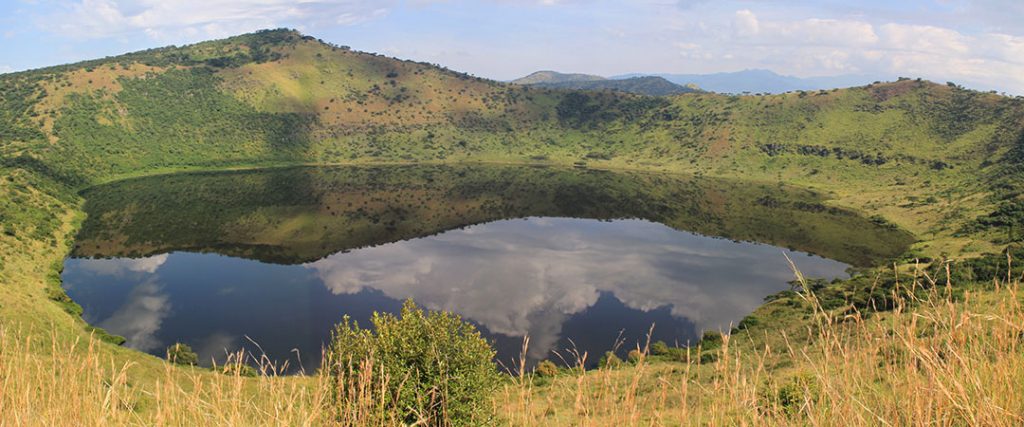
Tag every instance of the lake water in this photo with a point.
(270, 260)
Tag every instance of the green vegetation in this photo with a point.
(609, 360)
(546, 368)
(427, 367)
(182, 354)
(296, 215)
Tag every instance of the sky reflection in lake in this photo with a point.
(555, 279)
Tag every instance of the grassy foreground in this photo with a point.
(945, 355)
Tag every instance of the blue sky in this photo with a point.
(979, 43)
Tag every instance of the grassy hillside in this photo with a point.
(942, 162)
(929, 157)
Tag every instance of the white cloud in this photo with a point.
(925, 39)
(192, 19)
(746, 23)
(804, 32)
(6, 69)
(826, 46)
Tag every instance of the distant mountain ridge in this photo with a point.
(550, 77)
(736, 82)
(646, 85)
(763, 81)
(641, 85)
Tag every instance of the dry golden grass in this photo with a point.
(932, 361)
(74, 384)
(942, 362)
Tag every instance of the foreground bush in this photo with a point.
(609, 360)
(546, 368)
(420, 367)
(182, 354)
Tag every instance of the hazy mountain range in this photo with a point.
(752, 81)
(644, 85)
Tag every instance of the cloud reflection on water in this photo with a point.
(121, 266)
(140, 317)
(518, 277)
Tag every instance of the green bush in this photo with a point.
(433, 366)
(103, 335)
(634, 356)
(748, 322)
(182, 354)
(546, 368)
(711, 340)
(238, 369)
(659, 348)
(792, 394)
(609, 360)
(678, 354)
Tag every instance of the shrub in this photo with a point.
(634, 356)
(791, 395)
(103, 335)
(711, 340)
(708, 357)
(748, 321)
(609, 360)
(659, 348)
(678, 354)
(546, 368)
(182, 354)
(432, 366)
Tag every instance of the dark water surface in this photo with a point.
(221, 261)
